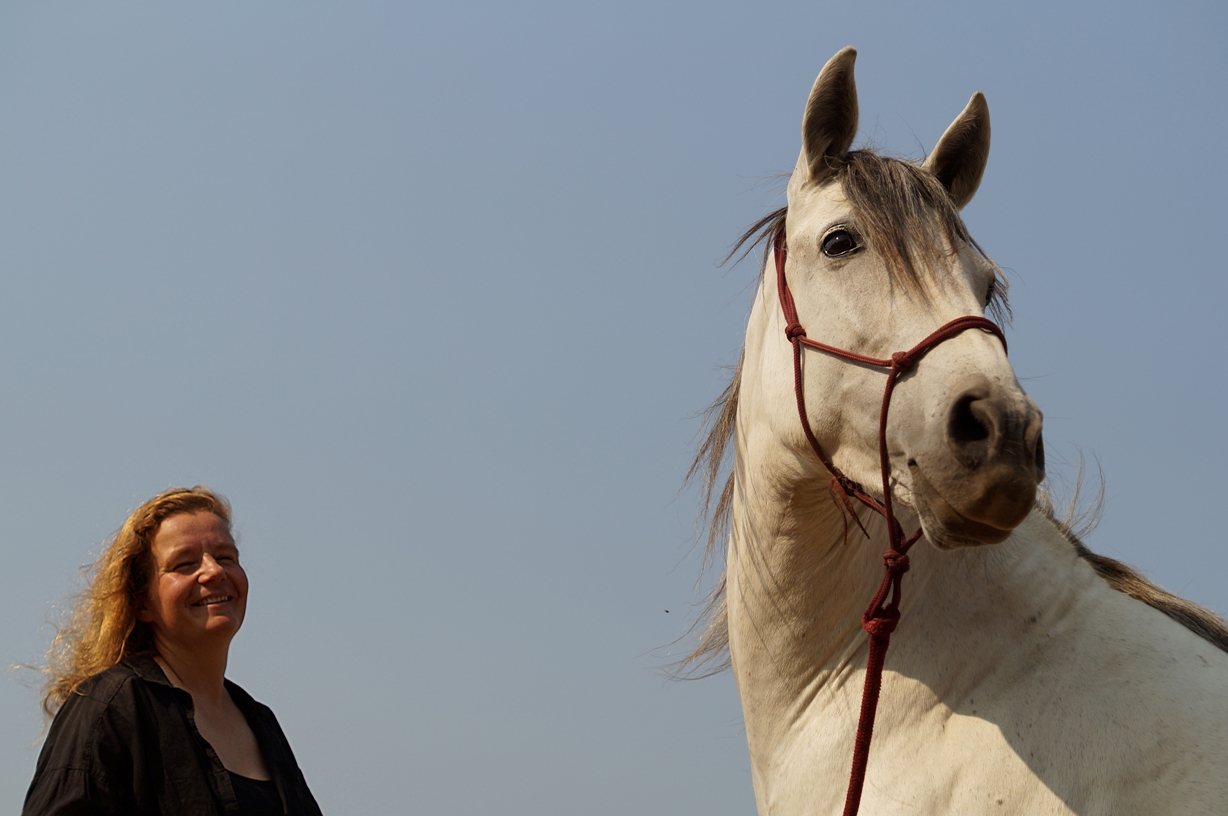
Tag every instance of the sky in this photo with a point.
(431, 293)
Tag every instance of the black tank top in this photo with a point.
(257, 797)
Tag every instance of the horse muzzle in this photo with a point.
(978, 480)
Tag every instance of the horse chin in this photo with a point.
(948, 529)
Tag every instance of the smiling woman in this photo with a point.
(145, 720)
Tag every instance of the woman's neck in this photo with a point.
(199, 671)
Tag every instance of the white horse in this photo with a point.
(1027, 674)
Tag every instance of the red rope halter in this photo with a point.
(881, 617)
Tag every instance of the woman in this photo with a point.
(145, 721)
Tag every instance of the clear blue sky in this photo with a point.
(429, 292)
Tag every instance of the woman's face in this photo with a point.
(198, 591)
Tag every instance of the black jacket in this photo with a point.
(126, 743)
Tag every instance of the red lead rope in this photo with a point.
(880, 619)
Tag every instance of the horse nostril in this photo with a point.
(964, 426)
(970, 429)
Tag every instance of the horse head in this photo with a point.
(877, 259)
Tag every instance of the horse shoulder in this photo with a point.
(1118, 703)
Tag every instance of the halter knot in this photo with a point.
(902, 360)
(882, 622)
(896, 562)
(850, 488)
(794, 330)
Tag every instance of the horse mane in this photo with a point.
(1124, 578)
(898, 205)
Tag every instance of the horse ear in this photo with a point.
(830, 121)
(959, 158)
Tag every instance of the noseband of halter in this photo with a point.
(880, 619)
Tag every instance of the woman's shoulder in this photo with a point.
(111, 694)
(122, 678)
(101, 737)
(105, 685)
(97, 693)
(91, 723)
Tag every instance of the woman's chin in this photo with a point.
(225, 622)
(210, 621)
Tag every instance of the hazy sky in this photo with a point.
(429, 292)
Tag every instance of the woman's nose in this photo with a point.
(209, 568)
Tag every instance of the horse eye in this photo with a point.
(838, 243)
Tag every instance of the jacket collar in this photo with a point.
(146, 668)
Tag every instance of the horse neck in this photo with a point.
(797, 585)
(799, 571)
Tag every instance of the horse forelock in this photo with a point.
(909, 219)
(904, 213)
